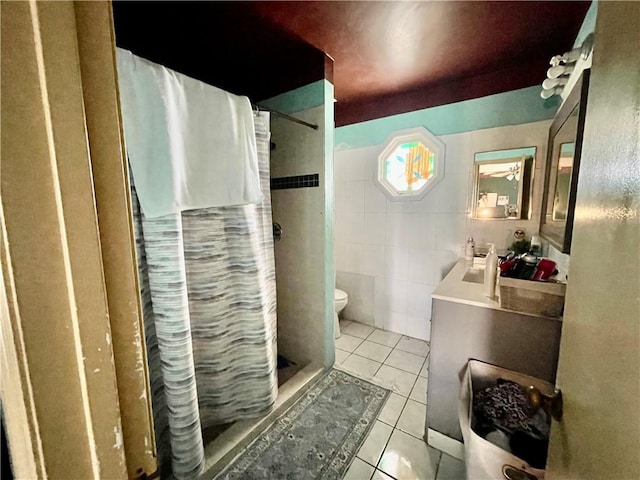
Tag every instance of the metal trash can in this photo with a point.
(486, 460)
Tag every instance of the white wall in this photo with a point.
(391, 255)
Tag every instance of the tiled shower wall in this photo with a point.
(297, 162)
(391, 255)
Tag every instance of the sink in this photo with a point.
(474, 275)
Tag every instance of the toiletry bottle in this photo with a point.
(469, 250)
(536, 245)
(490, 272)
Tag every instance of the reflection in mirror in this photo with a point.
(502, 186)
(563, 181)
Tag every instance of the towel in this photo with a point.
(190, 145)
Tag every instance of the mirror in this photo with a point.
(502, 184)
(563, 164)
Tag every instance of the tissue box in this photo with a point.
(528, 296)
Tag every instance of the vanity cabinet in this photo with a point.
(466, 325)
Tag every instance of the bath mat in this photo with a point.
(318, 436)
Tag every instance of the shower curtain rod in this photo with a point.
(286, 117)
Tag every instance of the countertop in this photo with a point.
(453, 289)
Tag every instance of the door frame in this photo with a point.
(75, 390)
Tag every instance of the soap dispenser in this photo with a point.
(491, 272)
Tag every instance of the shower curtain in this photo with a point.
(207, 283)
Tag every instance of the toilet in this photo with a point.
(340, 301)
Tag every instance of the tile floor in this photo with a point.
(394, 448)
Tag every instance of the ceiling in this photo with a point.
(388, 57)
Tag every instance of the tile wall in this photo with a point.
(297, 162)
(391, 255)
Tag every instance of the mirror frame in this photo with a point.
(576, 98)
(525, 188)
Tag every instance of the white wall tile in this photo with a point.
(353, 224)
(397, 235)
(354, 196)
(419, 300)
(459, 152)
(420, 230)
(361, 291)
(352, 262)
(361, 164)
(452, 193)
(374, 199)
(513, 136)
(396, 322)
(396, 207)
(375, 228)
(444, 260)
(450, 233)
(407, 207)
(373, 260)
(419, 241)
(528, 226)
(340, 166)
(396, 262)
(340, 225)
(418, 327)
(340, 255)
(421, 265)
(381, 302)
(340, 196)
(397, 296)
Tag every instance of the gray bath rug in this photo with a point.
(318, 436)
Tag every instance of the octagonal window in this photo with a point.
(410, 164)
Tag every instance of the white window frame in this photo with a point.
(429, 140)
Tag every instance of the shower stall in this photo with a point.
(205, 258)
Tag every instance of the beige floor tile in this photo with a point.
(405, 361)
(361, 366)
(374, 351)
(389, 339)
(392, 409)
(398, 380)
(359, 470)
(451, 469)
(413, 345)
(413, 418)
(341, 356)
(424, 372)
(345, 323)
(407, 458)
(374, 445)
(347, 342)
(380, 475)
(359, 330)
(419, 392)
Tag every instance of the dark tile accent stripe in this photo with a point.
(297, 181)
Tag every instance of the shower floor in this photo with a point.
(211, 433)
(286, 370)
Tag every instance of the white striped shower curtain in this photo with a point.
(207, 283)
